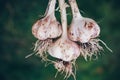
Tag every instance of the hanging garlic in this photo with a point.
(47, 27)
(81, 29)
(66, 45)
(85, 30)
(45, 30)
(63, 48)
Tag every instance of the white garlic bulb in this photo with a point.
(81, 29)
(47, 27)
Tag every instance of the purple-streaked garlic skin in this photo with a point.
(47, 27)
(64, 49)
(35, 28)
(83, 30)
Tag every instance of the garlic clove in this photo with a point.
(64, 49)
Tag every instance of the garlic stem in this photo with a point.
(62, 5)
(75, 9)
(50, 8)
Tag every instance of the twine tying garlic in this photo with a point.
(66, 45)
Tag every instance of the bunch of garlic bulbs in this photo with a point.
(64, 43)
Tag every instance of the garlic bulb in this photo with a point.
(48, 27)
(85, 30)
(81, 29)
(64, 49)
(45, 30)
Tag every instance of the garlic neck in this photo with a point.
(75, 9)
(62, 5)
(50, 11)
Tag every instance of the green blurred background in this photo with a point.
(16, 20)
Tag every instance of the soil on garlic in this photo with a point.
(92, 49)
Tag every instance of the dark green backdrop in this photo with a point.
(16, 41)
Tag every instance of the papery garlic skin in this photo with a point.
(81, 29)
(35, 28)
(47, 27)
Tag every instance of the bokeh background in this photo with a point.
(16, 41)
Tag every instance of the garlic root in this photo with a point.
(92, 49)
(41, 48)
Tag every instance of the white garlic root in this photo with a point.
(66, 67)
(81, 29)
(63, 48)
(92, 49)
(47, 27)
(41, 48)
